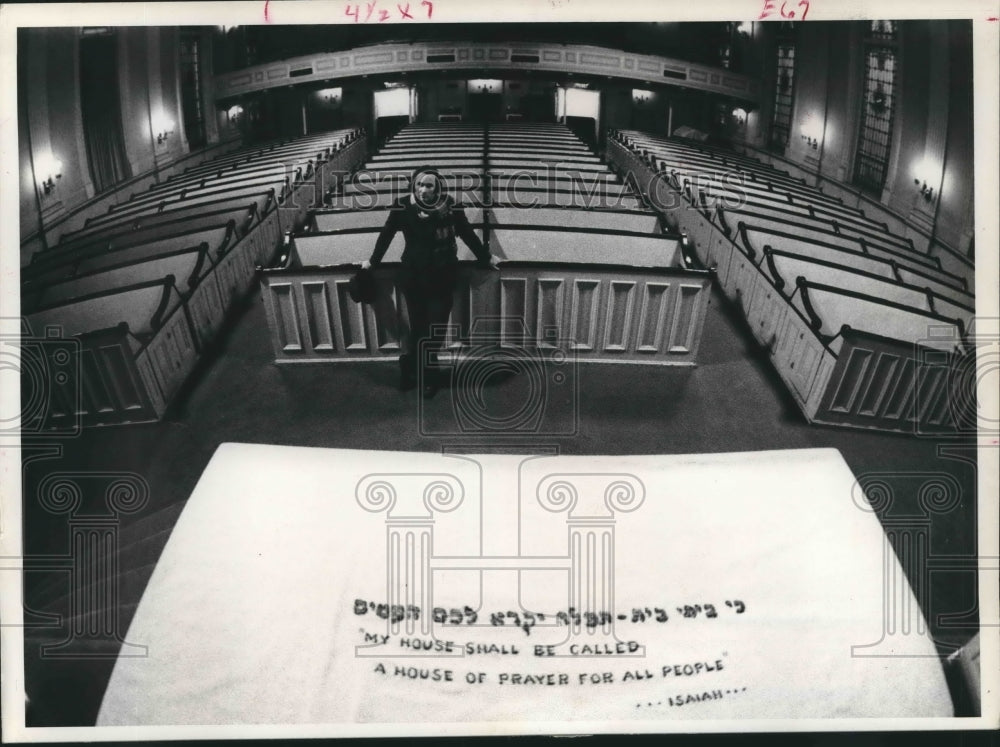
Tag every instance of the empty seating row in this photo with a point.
(675, 149)
(206, 172)
(637, 221)
(507, 241)
(702, 151)
(827, 222)
(142, 297)
(755, 170)
(610, 281)
(757, 238)
(167, 195)
(846, 311)
(245, 209)
(751, 232)
(601, 312)
(322, 145)
(681, 168)
(216, 234)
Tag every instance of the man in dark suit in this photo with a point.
(430, 221)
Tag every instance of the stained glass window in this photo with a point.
(784, 97)
(878, 109)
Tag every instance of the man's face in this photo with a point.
(426, 189)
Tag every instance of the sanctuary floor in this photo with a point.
(732, 401)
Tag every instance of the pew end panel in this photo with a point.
(115, 390)
(128, 372)
(883, 384)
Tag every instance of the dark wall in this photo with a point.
(51, 123)
(933, 119)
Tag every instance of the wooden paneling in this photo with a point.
(889, 385)
(598, 314)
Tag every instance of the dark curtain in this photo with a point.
(102, 119)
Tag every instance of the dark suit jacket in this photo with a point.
(430, 235)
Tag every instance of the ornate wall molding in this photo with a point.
(507, 58)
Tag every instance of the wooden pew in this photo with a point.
(352, 245)
(317, 149)
(830, 308)
(245, 210)
(713, 191)
(727, 218)
(143, 306)
(753, 237)
(524, 243)
(504, 150)
(294, 171)
(336, 220)
(136, 348)
(716, 159)
(321, 142)
(409, 163)
(216, 236)
(187, 265)
(506, 187)
(242, 215)
(193, 268)
(752, 172)
(691, 178)
(848, 376)
(599, 313)
(434, 145)
(527, 197)
(280, 186)
(634, 221)
(443, 138)
(784, 270)
(860, 361)
(266, 179)
(527, 161)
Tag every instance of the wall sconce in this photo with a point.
(812, 132)
(640, 96)
(330, 95)
(235, 113)
(739, 116)
(50, 169)
(745, 29)
(923, 173)
(163, 126)
(926, 192)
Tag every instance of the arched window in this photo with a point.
(871, 161)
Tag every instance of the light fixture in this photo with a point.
(330, 95)
(235, 112)
(50, 169)
(163, 126)
(926, 192)
(812, 132)
(739, 116)
(745, 28)
(924, 173)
